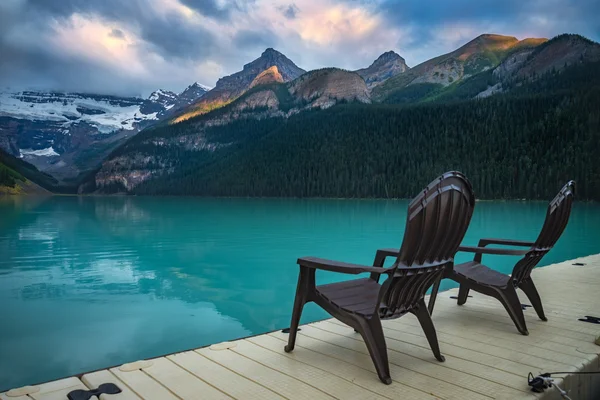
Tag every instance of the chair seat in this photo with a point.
(357, 296)
(482, 274)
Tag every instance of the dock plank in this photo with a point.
(95, 379)
(143, 385)
(235, 385)
(3, 396)
(493, 371)
(356, 353)
(58, 390)
(181, 382)
(519, 348)
(352, 373)
(318, 378)
(278, 382)
(542, 339)
(460, 373)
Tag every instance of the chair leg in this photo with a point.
(434, 292)
(301, 296)
(463, 294)
(510, 300)
(528, 287)
(424, 318)
(372, 333)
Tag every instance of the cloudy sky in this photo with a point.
(132, 47)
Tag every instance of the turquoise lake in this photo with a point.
(92, 282)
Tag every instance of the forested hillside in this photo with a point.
(525, 144)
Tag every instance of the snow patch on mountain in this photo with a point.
(106, 115)
(49, 152)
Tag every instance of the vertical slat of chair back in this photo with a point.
(402, 291)
(437, 221)
(557, 218)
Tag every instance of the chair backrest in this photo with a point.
(436, 224)
(556, 221)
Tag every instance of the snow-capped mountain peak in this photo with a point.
(191, 94)
(163, 96)
(197, 85)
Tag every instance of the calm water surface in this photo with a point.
(87, 283)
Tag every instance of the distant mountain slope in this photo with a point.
(523, 66)
(482, 53)
(231, 87)
(19, 177)
(386, 66)
(554, 55)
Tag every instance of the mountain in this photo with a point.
(519, 144)
(522, 66)
(66, 133)
(482, 53)
(231, 87)
(164, 98)
(267, 97)
(300, 138)
(386, 66)
(190, 95)
(551, 56)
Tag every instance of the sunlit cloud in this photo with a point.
(86, 38)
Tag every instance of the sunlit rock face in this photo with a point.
(326, 87)
(270, 75)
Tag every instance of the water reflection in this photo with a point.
(87, 282)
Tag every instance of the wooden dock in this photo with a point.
(486, 358)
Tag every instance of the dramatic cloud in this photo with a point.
(116, 33)
(133, 47)
(289, 11)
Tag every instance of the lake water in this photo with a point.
(92, 282)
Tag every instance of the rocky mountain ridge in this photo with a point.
(480, 54)
(233, 86)
(386, 66)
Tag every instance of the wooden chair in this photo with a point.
(436, 224)
(476, 276)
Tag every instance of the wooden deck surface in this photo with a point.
(486, 358)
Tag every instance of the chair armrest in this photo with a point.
(338, 266)
(388, 252)
(382, 254)
(484, 250)
(506, 242)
